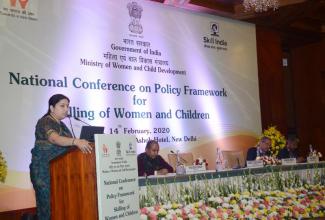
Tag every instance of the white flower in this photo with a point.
(143, 217)
(236, 208)
(172, 211)
(225, 205)
(151, 209)
(273, 214)
(187, 209)
(250, 202)
(225, 215)
(178, 212)
(244, 201)
(218, 200)
(248, 208)
(191, 216)
(215, 199)
(167, 206)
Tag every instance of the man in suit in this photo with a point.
(149, 161)
(261, 149)
(291, 150)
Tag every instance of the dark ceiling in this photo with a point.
(300, 21)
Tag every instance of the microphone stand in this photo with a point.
(78, 119)
(74, 136)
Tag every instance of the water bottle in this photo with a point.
(258, 153)
(218, 160)
(180, 168)
(311, 150)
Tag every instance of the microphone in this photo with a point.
(78, 119)
(69, 116)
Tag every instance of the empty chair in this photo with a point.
(233, 159)
(185, 158)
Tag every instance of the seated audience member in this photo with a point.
(261, 149)
(150, 161)
(291, 150)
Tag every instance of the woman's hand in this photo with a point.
(83, 145)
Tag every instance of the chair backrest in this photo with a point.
(185, 158)
(232, 158)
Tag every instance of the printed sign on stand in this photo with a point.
(117, 177)
(255, 163)
(289, 161)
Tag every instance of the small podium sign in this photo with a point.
(289, 161)
(312, 159)
(117, 177)
(195, 169)
(255, 163)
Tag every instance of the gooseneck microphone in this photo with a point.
(78, 119)
(69, 116)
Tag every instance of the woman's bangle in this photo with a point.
(73, 141)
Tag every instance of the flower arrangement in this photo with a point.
(3, 168)
(269, 160)
(202, 187)
(315, 153)
(295, 203)
(201, 161)
(277, 139)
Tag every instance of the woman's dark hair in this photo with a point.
(54, 100)
(150, 143)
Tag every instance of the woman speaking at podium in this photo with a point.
(52, 138)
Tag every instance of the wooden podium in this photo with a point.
(74, 186)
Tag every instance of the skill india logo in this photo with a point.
(214, 27)
(135, 11)
(130, 150)
(213, 40)
(22, 3)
